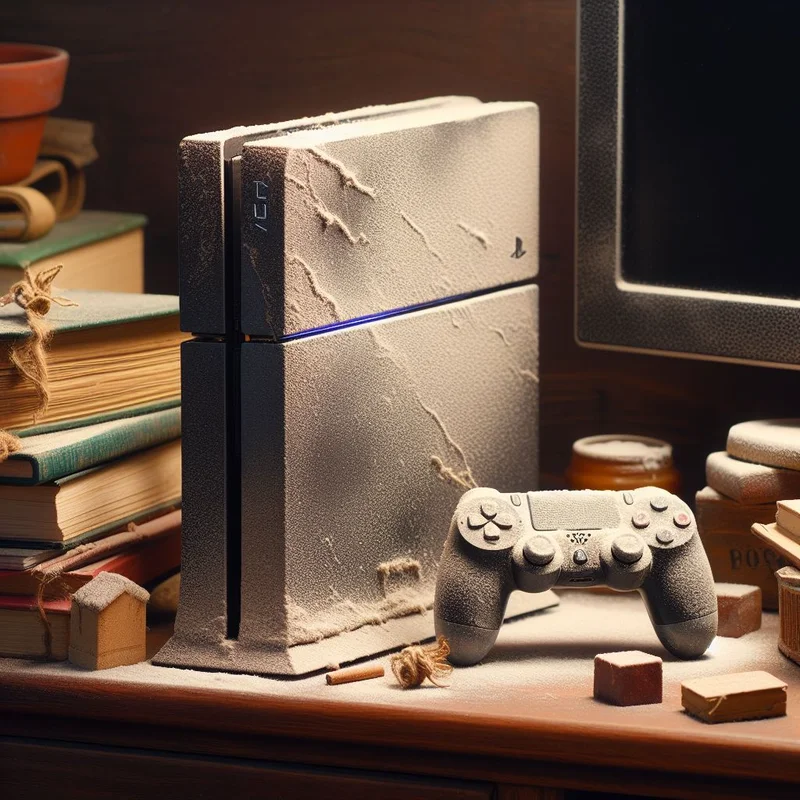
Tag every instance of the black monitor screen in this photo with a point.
(711, 144)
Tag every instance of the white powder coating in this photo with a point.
(774, 442)
(388, 212)
(104, 589)
(737, 590)
(629, 658)
(357, 443)
(347, 494)
(545, 663)
(650, 453)
(750, 483)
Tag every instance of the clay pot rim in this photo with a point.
(662, 450)
(45, 52)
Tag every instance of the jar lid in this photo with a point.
(625, 449)
(788, 576)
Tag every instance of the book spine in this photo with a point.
(262, 241)
(789, 524)
(137, 434)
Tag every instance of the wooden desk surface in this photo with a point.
(524, 716)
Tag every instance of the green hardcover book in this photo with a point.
(99, 250)
(93, 502)
(49, 456)
(113, 355)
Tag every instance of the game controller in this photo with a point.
(644, 539)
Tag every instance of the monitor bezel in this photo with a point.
(611, 312)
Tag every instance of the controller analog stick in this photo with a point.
(539, 551)
(627, 549)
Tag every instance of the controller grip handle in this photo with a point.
(472, 591)
(681, 600)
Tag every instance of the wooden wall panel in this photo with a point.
(151, 72)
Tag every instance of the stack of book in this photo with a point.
(85, 246)
(97, 480)
(784, 533)
(740, 494)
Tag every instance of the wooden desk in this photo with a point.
(521, 725)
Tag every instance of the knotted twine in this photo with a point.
(29, 353)
(29, 357)
(413, 664)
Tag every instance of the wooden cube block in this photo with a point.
(107, 623)
(739, 609)
(628, 678)
(737, 696)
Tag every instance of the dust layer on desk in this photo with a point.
(547, 658)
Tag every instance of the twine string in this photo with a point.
(29, 353)
(412, 665)
(33, 294)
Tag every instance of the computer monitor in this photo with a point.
(688, 219)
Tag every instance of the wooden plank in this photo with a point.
(595, 739)
(507, 792)
(98, 774)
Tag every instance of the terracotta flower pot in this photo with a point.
(31, 84)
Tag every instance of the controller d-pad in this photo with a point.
(476, 521)
(504, 521)
(490, 525)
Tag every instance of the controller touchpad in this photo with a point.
(573, 511)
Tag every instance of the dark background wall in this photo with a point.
(149, 73)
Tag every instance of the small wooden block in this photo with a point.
(628, 678)
(737, 696)
(739, 609)
(107, 623)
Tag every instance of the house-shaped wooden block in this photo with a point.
(107, 625)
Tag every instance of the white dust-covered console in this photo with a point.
(360, 289)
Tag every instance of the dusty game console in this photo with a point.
(365, 348)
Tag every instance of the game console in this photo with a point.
(360, 290)
(643, 540)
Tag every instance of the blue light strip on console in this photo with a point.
(395, 312)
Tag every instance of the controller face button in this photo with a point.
(682, 519)
(504, 521)
(640, 520)
(665, 537)
(628, 498)
(491, 534)
(515, 499)
(659, 503)
(627, 549)
(580, 557)
(475, 521)
(489, 509)
(539, 551)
